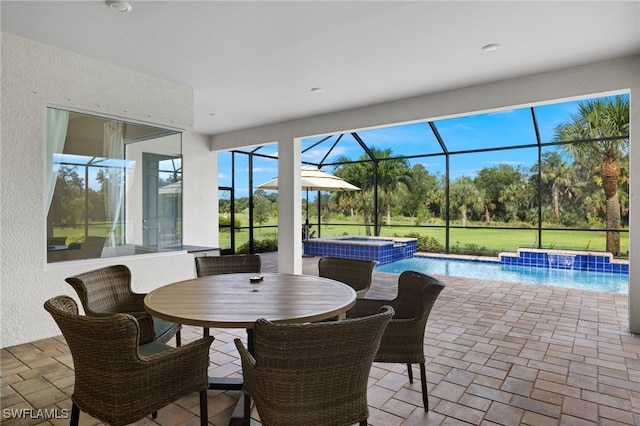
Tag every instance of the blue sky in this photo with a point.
(497, 129)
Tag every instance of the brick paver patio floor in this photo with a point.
(497, 353)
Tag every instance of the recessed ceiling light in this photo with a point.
(317, 90)
(214, 114)
(119, 6)
(492, 47)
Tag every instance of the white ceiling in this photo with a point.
(254, 63)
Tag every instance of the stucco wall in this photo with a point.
(33, 77)
(615, 75)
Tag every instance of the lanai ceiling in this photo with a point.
(254, 63)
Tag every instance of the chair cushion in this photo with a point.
(161, 326)
(153, 348)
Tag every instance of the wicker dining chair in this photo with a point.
(403, 340)
(107, 290)
(355, 273)
(227, 264)
(116, 380)
(311, 374)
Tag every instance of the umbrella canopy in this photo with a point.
(313, 179)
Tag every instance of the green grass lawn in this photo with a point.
(493, 240)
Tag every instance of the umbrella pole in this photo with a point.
(306, 225)
(307, 222)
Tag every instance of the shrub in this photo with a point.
(75, 239)
(225, 221)
(260, 246)
(473, 250)
(426, 244)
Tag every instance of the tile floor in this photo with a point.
(497, 353)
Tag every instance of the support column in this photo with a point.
(634, 211)
(289, 207)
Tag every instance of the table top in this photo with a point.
(232, 301)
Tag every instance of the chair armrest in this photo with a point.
(145, 321)
(366, 307)
(191, 349)
(245, 355)
(249, 374)
(179, 369)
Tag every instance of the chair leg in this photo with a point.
(246, 421)
(423, 378)
(410, 371)
(154, 415)
(204, 412)
(363, 423)
(205, 331)
(75, 415)
(178, 339)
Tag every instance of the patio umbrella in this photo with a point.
(314, 179)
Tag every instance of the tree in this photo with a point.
(559, 176)
(490, 181)
(359, 174)
(596, 119)
(261, 207)
(515, 197)
(70, 189)
(417, 200)
(391, 174)
(464, 194)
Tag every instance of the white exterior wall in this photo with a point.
(200, 191)
(610, 76)
(34, 76)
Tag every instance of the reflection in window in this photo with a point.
(113, 188)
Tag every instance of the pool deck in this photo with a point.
(497, 353)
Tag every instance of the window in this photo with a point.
(114, 188)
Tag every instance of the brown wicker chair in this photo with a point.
(106, 291)
(228, 264)
(403, 340)
(116, 380)
(353, 272)
(311, 374)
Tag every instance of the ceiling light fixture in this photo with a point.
(492, 47)
(119, 6)
(214, 114)
(317, 90)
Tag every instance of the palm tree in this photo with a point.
(560, 175)
(359, 174)
(464, 194)
(391, 173)
(597, 119)
(516, 197)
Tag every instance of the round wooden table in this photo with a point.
(232, 301)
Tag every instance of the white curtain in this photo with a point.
(57, 124)
(113, 149)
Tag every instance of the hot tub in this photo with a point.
(382, 249)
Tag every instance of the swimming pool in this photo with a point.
(580, 279)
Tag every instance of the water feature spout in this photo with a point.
(561, 261)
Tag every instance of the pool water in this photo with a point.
(585, 280)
